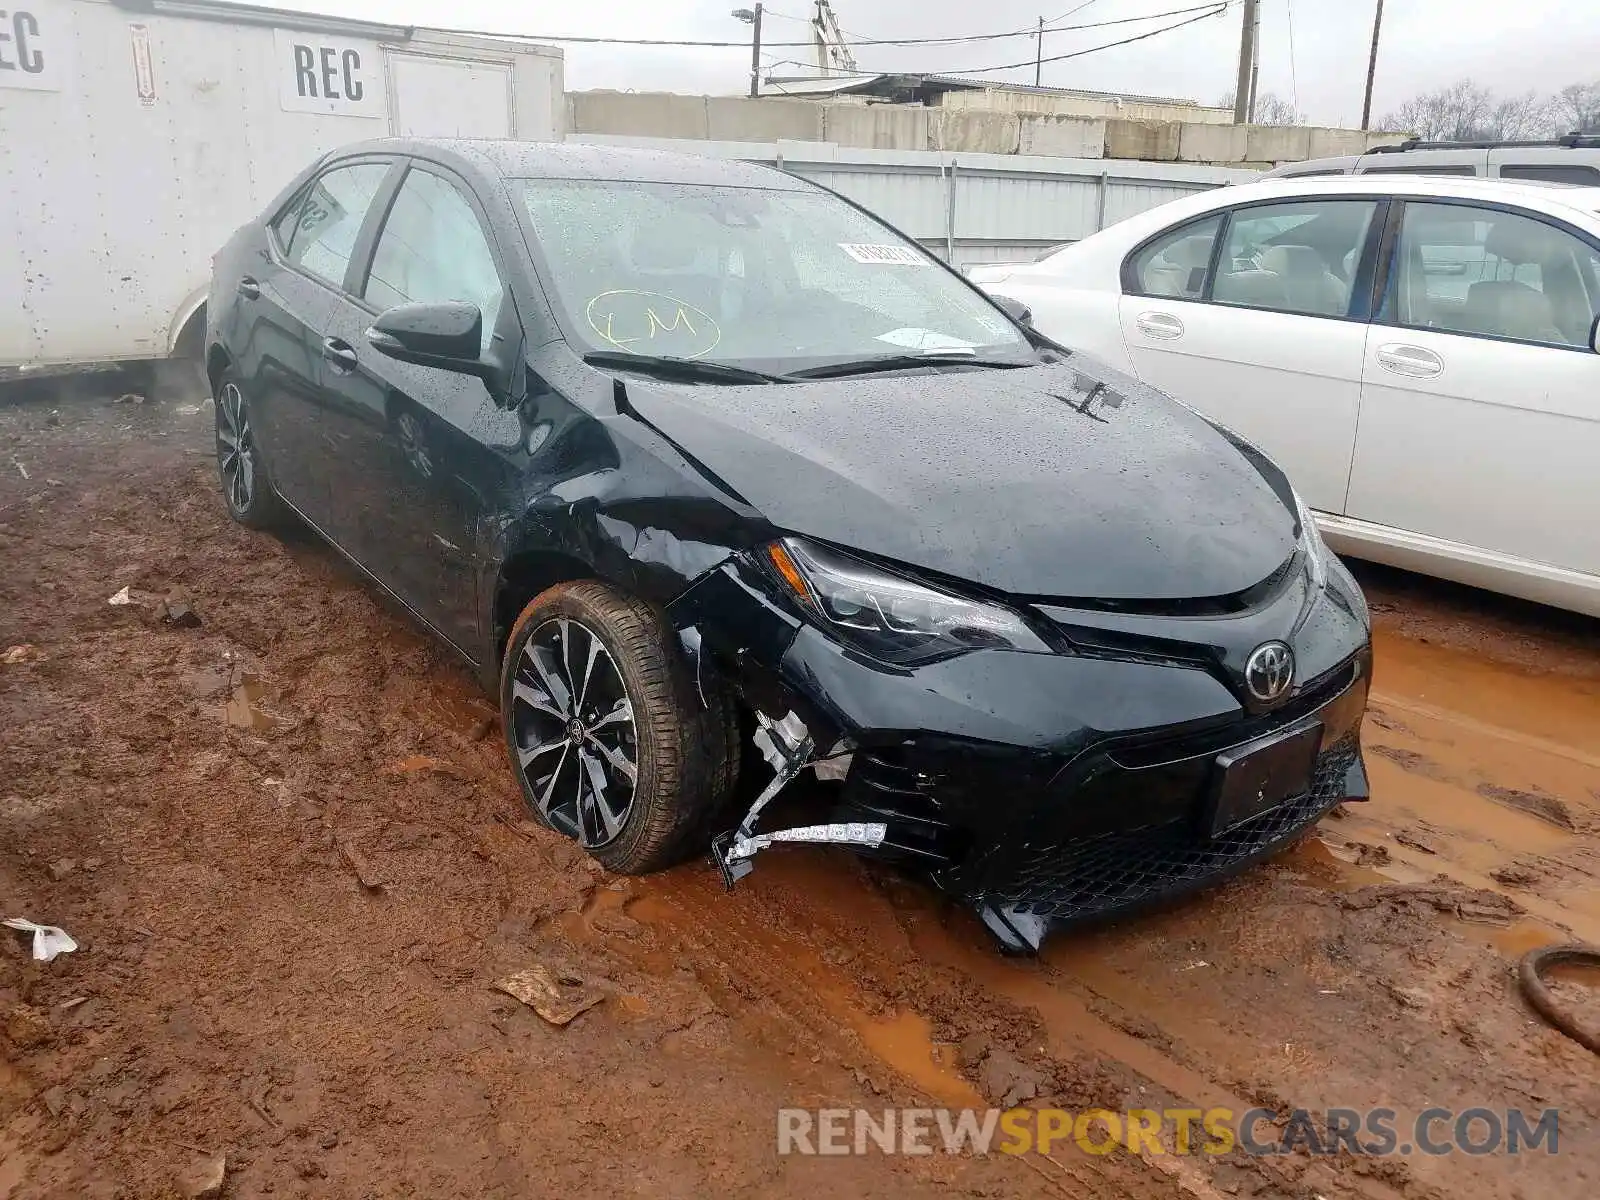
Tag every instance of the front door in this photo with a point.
(1480, 409)
(1264, 333)
(295, 298)
(433, 449)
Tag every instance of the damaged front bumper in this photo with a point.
(1042, 790)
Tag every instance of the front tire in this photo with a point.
(607, 731)
(246, 488)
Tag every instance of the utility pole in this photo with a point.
(1372, 68)
(1038, 54)
(1244, 90)
(755, 54)
(752, 18)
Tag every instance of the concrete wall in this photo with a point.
(970, 130)
(1067, 105)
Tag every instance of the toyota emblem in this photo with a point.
(1269, 671)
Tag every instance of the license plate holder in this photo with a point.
(1252, 779)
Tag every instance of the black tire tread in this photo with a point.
(692, 748)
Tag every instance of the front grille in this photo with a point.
(1075, 881)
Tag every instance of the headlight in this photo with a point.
(1311, 542)
(889, 617)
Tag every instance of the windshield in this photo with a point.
(779, 279)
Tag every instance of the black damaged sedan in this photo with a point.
(690, 458)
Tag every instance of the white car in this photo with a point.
(1421, 355)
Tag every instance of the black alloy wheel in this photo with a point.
(246, 488)
(577, 745)
(607, 731)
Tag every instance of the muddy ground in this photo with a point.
(294, 859)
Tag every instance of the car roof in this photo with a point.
(510, 158)
(1585, 200)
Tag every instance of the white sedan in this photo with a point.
(1421, 354)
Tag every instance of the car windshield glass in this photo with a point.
(778, 278)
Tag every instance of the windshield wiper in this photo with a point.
(901, 362)
(689, 370)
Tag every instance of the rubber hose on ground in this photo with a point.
(1531, 973)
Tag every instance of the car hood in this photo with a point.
(1062, 480)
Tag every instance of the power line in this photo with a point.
(856, 42)
(1294, 79)
(1213, 11)
(1070, 12)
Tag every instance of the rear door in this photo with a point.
(428, 450)
(1480, 412)
(1257, 317)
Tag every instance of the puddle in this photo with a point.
(902, 1040)
(245, 708)
(1325, 863)
(1581, 974)
(1518, 938)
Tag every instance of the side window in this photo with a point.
(1297, 257)
(288, 221)
(1572, 173)
(1175, 263)
(1463, 269)
(433, 249)
(325, 236)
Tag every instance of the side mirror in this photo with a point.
(1016, 310)
(448, 336)
(1594, 335)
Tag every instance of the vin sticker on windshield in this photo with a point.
(893, 256)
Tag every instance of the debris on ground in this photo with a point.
(27, 1026)
(1515, 875)
(1406, 838)
(130, 398)
(20, 468)
(179, 615)
(1530, 973)
(24, 652)
(123, 597)
(366, 874)
(1408, 997)
(60, 869)
(203, 1178)
(48, 941)
(1478, 905)
(1536, 803)
(558, 997)
(1371, 856)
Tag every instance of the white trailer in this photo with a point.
(136, 135)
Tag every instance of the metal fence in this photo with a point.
(972, 208)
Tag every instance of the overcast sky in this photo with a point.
(1509, 45)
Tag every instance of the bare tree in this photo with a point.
(1577, 108)
(1271, 109)
(1466, 112)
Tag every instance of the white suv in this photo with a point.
(1422, 355)
(1573, 160)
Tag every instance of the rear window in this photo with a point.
(1404, 170)
(1573, 173)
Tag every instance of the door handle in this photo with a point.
(1159, 325)
(340, 354)
(1411, 361)
(249, 288)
